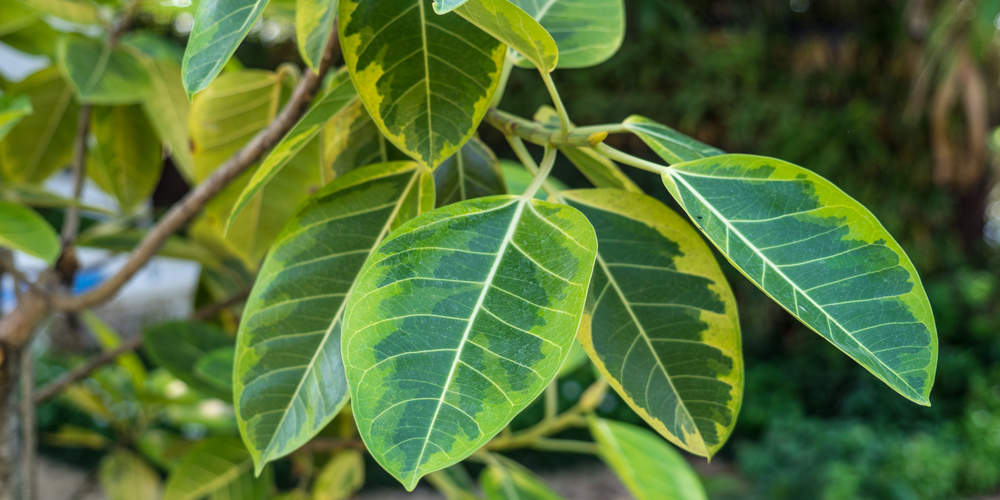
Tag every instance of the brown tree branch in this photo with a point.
(197, 198)
(29, 472)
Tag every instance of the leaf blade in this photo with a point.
(219, 27)
(587, 32)
(21, 228)
(340, 95)
(456, 290)
(42, 142)
(662, 312)
(313, 24)
(127, 157)
(403, 90)
(101, 75)
(12, 109)
(219, 467)
(671, 145)
(515, 28)
(646, 465)
(473, 172)
(295, 280)
(857, 259)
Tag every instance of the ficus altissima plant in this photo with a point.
(399, 275)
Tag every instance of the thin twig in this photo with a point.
(81, 372)
(197, 198)
(211, 310)
(29, 471)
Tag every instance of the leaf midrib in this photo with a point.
(767, 262)
(487, 283)
(340, 310)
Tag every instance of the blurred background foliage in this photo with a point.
(894, 101)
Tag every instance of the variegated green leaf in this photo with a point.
(446, 6)
(223, 118)
(822, 256)
(12, 109)
(340, 94)
(514, 27)
(587, 32)
(648, 467)
(218, 468)
(313, 25)
(474, 172)
(125, 476)
(427, 79)
(289, 378)
(664, 329)
(126, 156)
(219, 27)
(352, 140)
(671, 145)
(458, 321)
(21, 228)
(100, 75)
(343, 475)
(42, 142)
(505, 479)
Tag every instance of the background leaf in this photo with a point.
(822, 256)
(43, 141)
(649, 468)
(216, 369)
(223, 118)
(587, 32)
(219, 27)
(21, 228)
(77, 11)
(179, 346)
(665, 332)
(126, 157)
(313, 24)
(507, 480)
(343, 475)
(12, 109)
(514, 27)
(457, 322)
(218, 467)
(168, 109)
(289, 372)
(427, 101)
(124, 476)
(100, 75)
(473, 172)
(340, 94)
